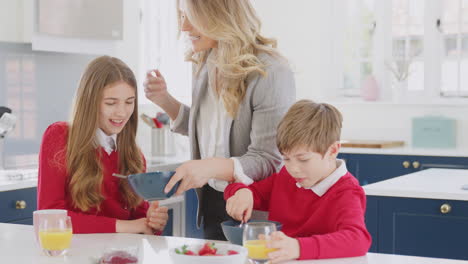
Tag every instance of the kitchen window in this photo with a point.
(417, 50)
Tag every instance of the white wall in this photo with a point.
(301, 30)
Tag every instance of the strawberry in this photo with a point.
(232, 252)
(190, 252)
(184, 251)
(207, 249)
(119, 257)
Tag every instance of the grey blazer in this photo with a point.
(251, 136)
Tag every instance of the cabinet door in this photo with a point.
(169, 229)
(423, 227)
(191, 206)
(372, 168)
(60, 28)
(372, 221)
(17, 204)
(14, 20)
(351, 162)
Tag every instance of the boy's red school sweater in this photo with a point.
(53, 193)
(330, 226)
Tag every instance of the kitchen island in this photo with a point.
(17, 245)
(422, 214)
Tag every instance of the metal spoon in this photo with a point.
(119, 175)
(241, 225)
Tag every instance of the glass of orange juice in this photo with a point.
(255, 237)
(55, 235)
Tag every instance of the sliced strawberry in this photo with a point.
(118, 257)
(208, 248)
(185, 251)
(232, 252)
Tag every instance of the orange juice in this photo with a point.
(258, 249)
(55, 239)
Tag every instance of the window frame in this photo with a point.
(382, 52)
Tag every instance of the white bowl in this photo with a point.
(222, 249)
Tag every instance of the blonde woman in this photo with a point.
(241, 89)
(77, 159)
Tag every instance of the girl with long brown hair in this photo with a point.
(77, 159)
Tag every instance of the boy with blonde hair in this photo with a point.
(319, 203)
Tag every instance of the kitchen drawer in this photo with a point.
(9, 201)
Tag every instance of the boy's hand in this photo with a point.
(157, 216)
(240, 205)
(288, 247)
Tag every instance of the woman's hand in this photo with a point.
(157, 216)
(138, 226)
(156, 88)
(288, 247)
(156, 92)
(196, 173)
(240, 205)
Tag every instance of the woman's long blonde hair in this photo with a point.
(82, 156)
(235, 25)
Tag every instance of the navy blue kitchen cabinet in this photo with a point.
(418, 227)
(168, 229)
(370, 168)
(191, 206)
(17, 206)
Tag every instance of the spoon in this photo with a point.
(119, 175)
(242, 223)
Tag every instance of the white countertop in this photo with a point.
(407, 150)
(445, 184)
(21, 179)
(17, 245)
(17, 179)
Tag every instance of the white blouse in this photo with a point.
(210, 129)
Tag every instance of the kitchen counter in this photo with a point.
(17, 245)
(20, 179)
(408, 150)
(17, 179)
(443, 184)
(11, 180)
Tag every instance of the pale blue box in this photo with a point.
(434, 132)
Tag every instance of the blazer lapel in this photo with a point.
(199, 90)
(227, 132)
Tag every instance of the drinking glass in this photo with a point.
(255, 237)
(47, 213)
(55, 235)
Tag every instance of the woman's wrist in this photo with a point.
(171, 106)
(224, 168)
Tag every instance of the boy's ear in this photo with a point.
(334, 149)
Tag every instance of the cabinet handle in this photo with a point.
(416, 164)
(445, 208)
(406, 164)
(20, 205)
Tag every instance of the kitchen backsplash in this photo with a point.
(39, 88)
